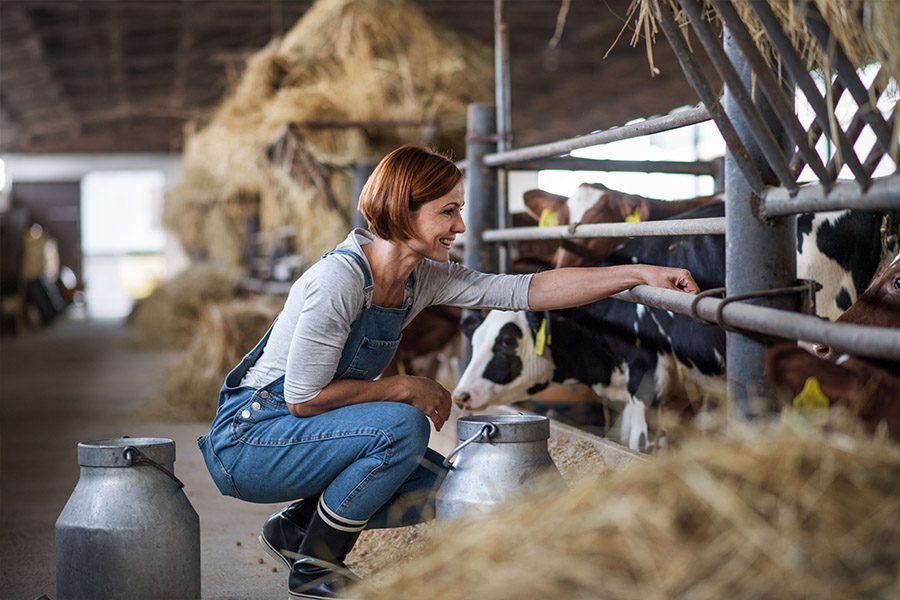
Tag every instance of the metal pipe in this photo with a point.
(698, 81)
(794, 66)
(571, 163)
(481, 188)
(847, 72)
(773, 91)
(815, 132)
(759, 255)
(757, 129)
(858, 340)
(883, 194)
(710, 226)
(682, 118)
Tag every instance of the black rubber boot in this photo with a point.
(283, 532)
(320, 572)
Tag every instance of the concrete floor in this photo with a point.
(82, 380)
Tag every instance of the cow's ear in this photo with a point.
(470, 323)
(536, 201)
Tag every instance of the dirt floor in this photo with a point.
(81, 380)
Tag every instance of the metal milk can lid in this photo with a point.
(508, 428)
(111, 452)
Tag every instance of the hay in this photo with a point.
(168, 317)
(225, 331)
(871, 38)
(345, 60)
(765, 512)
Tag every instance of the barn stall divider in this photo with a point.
(767, 149)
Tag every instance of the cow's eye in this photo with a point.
(897, 284)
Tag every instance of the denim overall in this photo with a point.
(370, 461)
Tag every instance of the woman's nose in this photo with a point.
(459, 226)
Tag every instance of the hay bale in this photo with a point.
(764, 512)
(224, 333)
(345, 60)
(168, 317)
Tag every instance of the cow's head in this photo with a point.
(504, 367)
(878, 306)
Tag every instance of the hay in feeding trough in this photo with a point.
(765, 512)
(168, 317)
(352, 80)
(224, 333)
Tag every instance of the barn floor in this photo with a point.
(81, 380)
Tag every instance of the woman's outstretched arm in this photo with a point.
(565, 288)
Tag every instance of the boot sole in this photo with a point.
(286, 559)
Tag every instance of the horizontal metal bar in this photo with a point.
(571, 163)
(858, 340)
(882, 194)
(711, 226)
(682, 118)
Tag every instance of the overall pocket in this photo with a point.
(220, 476)
(371, 358)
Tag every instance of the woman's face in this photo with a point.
(436, 224)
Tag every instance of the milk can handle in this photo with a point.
(488, 431)
(136, 457)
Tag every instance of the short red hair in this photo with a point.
(404, 180)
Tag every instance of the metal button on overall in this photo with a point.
(245, 414)
(264, 394)
(256, 406)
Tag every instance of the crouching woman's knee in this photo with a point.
(409, 429)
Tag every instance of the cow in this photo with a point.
(611, 342)
(596, 203)
(843, 250)
(868, 388)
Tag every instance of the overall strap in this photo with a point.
(367, 275)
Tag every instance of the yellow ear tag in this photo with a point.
(541, 339)
(548, 218)
(635, 216)
(811, 398)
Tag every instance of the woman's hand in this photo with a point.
(428, 396)
(679, 280)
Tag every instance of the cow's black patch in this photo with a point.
(537, 388)
(842, 300)
(853, 240)
(505, 364)
(804, 228)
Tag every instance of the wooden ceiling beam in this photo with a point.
(114, 29)
(42, 76)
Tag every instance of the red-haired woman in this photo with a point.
(304, 416)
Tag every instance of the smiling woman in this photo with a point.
(305, 416)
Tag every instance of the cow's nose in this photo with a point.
(822, 350)
(461, 399)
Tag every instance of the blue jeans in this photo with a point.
(371, 461)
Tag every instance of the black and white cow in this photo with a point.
(843, 250)
(611, 342)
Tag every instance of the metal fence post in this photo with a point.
(481, 196)
(759, 254)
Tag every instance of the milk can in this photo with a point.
(127, 531)
(497, 455)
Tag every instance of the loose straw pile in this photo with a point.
(764, 512)
(168, 317)
(224, 333)
(264, 153)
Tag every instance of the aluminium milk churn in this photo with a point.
(497, 455)
(127, 531)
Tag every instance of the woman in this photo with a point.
(304, 415)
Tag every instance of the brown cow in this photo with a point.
(596, 203)
(868, 388)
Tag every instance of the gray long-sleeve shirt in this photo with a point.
(307, 340)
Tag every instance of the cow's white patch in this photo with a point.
(634, 424)
(535, 369)
(813, 264)
(585, 197)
